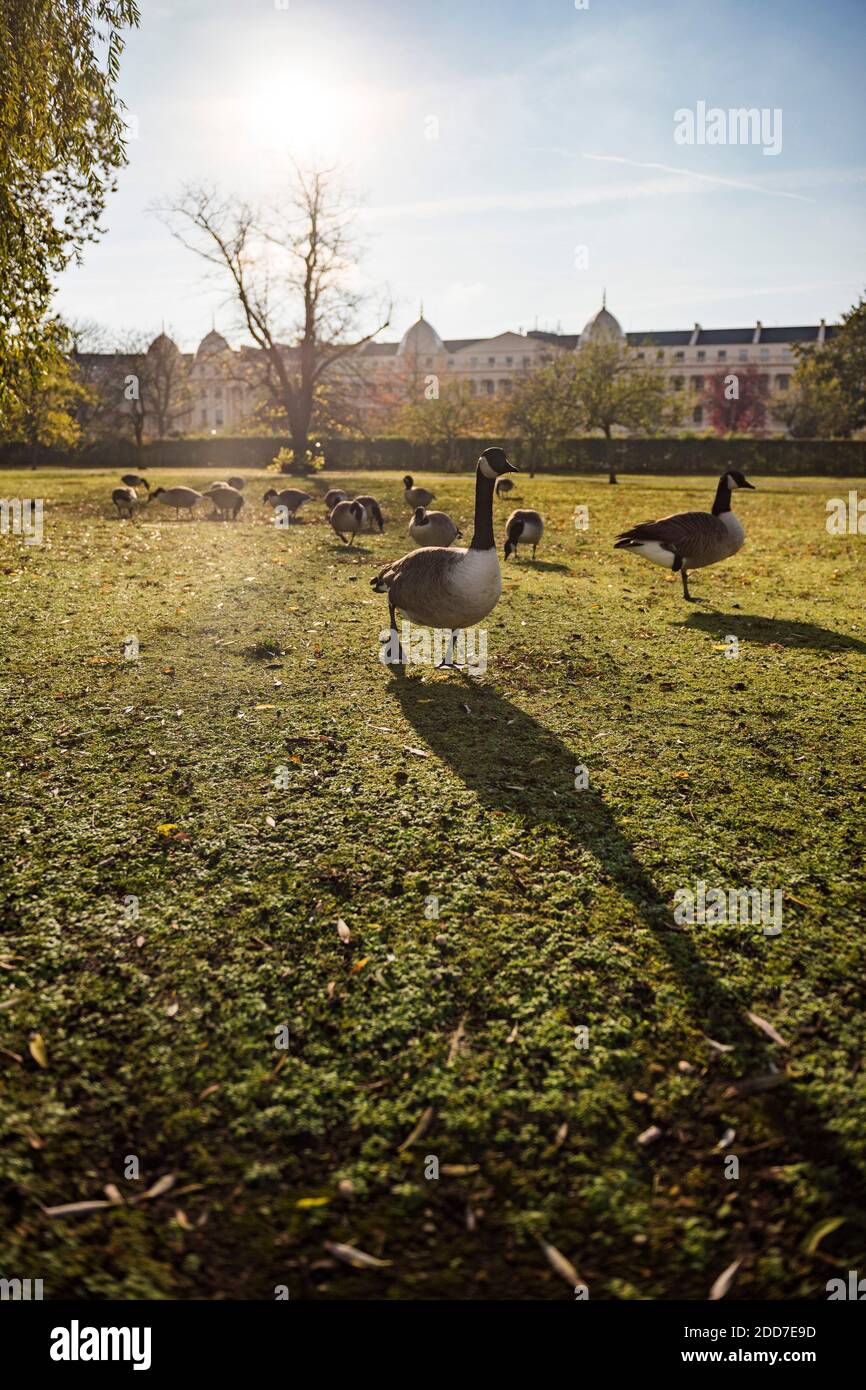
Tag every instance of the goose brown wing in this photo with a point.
(422, 571)
(688, 533)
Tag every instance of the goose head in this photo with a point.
(493, 463)
(420, 516)
(157, 492)
(512, 537)
(734, 478)
(271, 492)
(408, 481)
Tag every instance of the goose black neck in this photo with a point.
(723, 498)
(482, 538)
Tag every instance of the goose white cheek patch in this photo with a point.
(486, 469)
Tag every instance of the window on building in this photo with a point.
(765, 354)
(218, 393)
(677, 383)
(218, 418)
(697, 383)
(702, 356)
(698, 415)
(641, 356)
(722, 355)
(743, 355)
(204, 417)
(491, 361)
(489, 387)
(526, 361)
(505, 388)
(473, 390)
(679, 357)
(450, 361)
(782, 382)
(660, 355)
(509, 361)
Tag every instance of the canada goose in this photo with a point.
(416, 496)
(347, 518)
(238, 483)
(432, 528)
(177, 497)
(135, 480)
(335, 495)
(454, 589)
(504, 485)
(524, 526)
(126, 501)
(290, 498)
(374, 513)
(691, 540)
(227, 501)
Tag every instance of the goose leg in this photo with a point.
(686, 595)
(401, 657)
(533, 552)
(448, 658)
(352, 540)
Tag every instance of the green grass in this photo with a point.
(555, 907)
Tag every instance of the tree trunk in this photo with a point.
(611, 474)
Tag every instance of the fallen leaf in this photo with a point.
(724, 1281)
(416, 752)
(161, 1186)
(820, 1231)
(73, 1208)
(172, 1009)
(420, 1129)
(38, 1050)
(359, 965)
(269, 820)
(559, 1263)
(727, 1138)
(182, 1220)
(649, 1135)
(304, 1202)
(767, 1028)
(343, 931)
(458, 1170)
(113, 1193)
(358, 1259)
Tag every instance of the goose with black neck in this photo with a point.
(451, 588)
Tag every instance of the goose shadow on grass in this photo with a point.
(479, 749)
(547, 566)
(788, 633)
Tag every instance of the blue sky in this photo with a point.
(555, 132)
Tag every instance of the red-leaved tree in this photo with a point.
(735, 400)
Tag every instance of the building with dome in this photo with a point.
(217, 389)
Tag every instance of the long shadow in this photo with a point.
(788, 633)
(513, 763)
(548, 566)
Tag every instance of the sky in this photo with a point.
(510, 161)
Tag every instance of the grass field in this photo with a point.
(154, 1035)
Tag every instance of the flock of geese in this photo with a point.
(449, 587)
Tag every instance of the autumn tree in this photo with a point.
(42, 413)
(544, 409)
(828, 390)
(291, 274)
(62, 143)
(735, 401)
(617, 391)
(439, 418)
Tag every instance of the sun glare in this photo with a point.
(309, 115)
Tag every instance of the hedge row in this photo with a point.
(843, 458)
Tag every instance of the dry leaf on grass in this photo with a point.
(767, 1028)
(38, 1050)
(724, 1281)
(343, 932)
(420, 1129)
(358, 1259)
(559, 1263)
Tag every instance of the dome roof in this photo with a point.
(162, 343)
(421, 340)
(602, 328)
(212, 342)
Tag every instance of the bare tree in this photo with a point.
(290, 273)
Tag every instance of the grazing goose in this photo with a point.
(135, 480)
(126, 501)
(454, 589)
(335, 495)
(178, 497)
(347, 518)
(504, 485)
(227, 501)
(691, 540)
(290, 498)
(238, 483)
(432, 528)
(525, 527)
(374, 513)
(416, 496)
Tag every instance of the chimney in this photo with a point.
(756, 336)
(696, 333)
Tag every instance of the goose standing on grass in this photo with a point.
(347, 518)
(525, 528)
(503, 486)
(335, 495)
(691, 540)
(126, 501)
(135, 480)
(432, 528)
(237, 483)
(453, 589)
(416, 496)
(374, 515)
(290, 498)
(227, 501)
(181, 498)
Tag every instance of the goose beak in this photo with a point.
(750, 486)
(512, 468)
